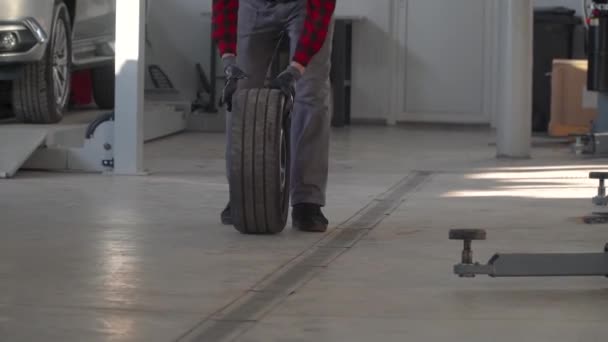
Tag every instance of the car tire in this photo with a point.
(41, 92)
(103, 86)
(260, 162)
(5, 100)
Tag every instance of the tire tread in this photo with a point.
(257, 207)
(32, 94)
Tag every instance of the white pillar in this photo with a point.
(130, 66)
(514, 119)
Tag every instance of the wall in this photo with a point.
(178, 47)
(373, 43)
(447, 61)
(179, 36)
(574, 4)
(372, 70)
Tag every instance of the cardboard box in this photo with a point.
(573, 107)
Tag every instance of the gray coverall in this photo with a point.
(259, 25)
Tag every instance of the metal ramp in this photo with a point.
(74, 145)
(17, 143)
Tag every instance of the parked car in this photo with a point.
(41, 43)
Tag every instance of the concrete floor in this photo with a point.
(99, 258)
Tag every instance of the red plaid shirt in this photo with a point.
(314, 33)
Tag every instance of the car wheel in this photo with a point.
(41, 93)
(103, 86)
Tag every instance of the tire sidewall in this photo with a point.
(60, 16)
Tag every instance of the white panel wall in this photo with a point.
(446, 60)
(372, 71)
(446, 53)
(429, 87)
(179, 35)
(373, 68)
(180, 38)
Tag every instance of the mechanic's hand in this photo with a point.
(286, 81)
(233, 75)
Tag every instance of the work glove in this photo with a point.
(233, 75)
(286, 82)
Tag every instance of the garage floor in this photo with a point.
(98, 258)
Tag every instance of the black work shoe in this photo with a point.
(309, 218)
(227, 216)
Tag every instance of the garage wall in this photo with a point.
(574, 4)
(179, 37)
(177, 47)
(375, 71)
(372, 67)
(448, 61)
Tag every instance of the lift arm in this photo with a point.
(527, 265)
(539, 265)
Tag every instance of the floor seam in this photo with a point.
(278, 285)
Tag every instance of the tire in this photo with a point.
(260, 158)
(103, 86)
(5, 100)
(41, 93)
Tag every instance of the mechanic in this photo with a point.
(256, 25)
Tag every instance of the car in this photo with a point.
(41, 43)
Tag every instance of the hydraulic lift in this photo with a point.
(595, 143)
(91, 147)
(537, 265)
(527, 265)
(148, 107)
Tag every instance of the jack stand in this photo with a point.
(528, 265)
(467, 236)
(601, 200)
